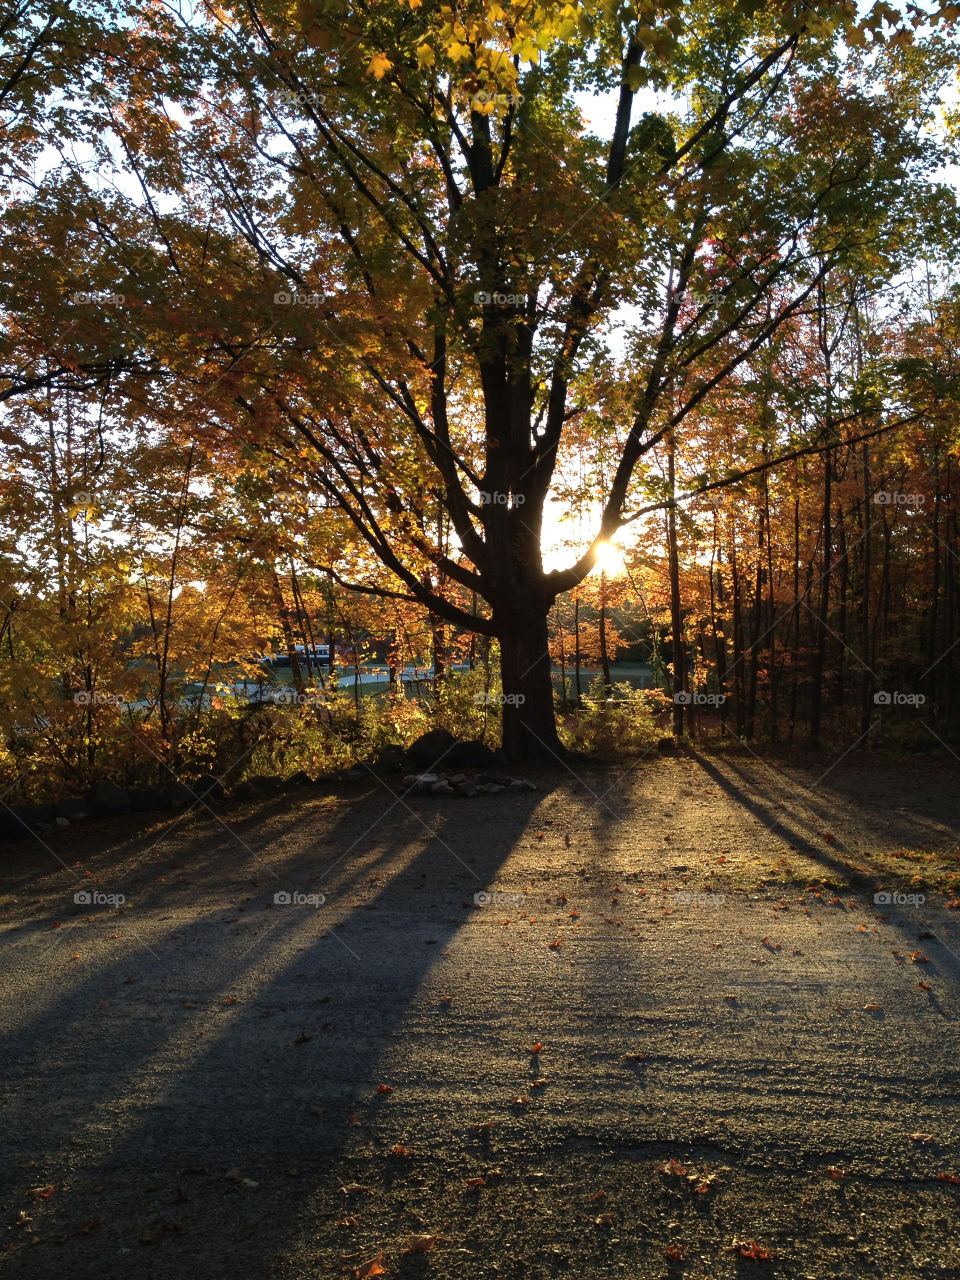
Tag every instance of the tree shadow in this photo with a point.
(165, 1059)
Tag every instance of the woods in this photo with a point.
(323, 324)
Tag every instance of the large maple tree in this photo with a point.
(380, 248)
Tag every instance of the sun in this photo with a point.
(610, 560)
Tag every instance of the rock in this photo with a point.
(516, 785)
(467, 789)
(300, 779)
(494, 788)
(107, 799)
(430, 747)
(265, 783)
(61, 821)
(179, 796)
(473, 754)
(208, 788)
(143, 799)
(74, 808)
(421, 779)
(456, 777)
(245, 791)
(392, 759)
(442, 788)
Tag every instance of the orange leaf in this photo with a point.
(751, 1249)
(536, 1048)
(371, 1268)
(475, 1182)
(422, 1244)
(384, 1088)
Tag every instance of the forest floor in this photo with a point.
(586, 1076)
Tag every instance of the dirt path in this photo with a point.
(191, 1082)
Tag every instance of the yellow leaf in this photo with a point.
(425, 56)
(379, 65)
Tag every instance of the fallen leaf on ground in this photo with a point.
(536, 1048)
(422, 1244)
(750, 1249)
(371, 1268)
(384, 1088)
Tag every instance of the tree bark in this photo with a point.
(529, 723)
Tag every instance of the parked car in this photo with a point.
(319, 656)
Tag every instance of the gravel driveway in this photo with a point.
(673, 1035)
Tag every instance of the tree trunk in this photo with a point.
(529, 723)
(604, 652)
(576, 650)
(819, 663)
(676, 615)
